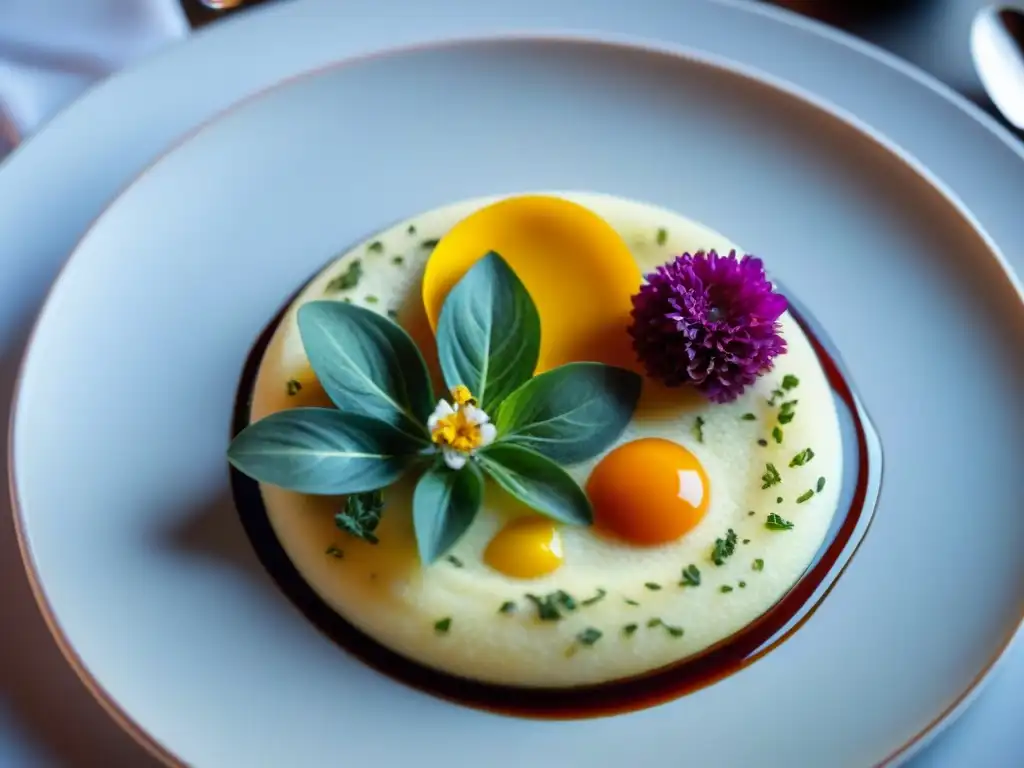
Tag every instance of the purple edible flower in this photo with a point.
(708, 320)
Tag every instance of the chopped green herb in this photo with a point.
(802, 458)
(805, 496)
(596, 598)
(361, 515)
(751, 513)
(789, 381)
(375, 247)
(547, 609)
(725, 588)
(508, 606)
(348, 279)
(748, 417)
(724, 548)
(589, 636)
(565, 599)
(770, 477)
(821, 485)
(662, 236)
(549, 605)
(429, 244)
(411, 229)
(334, 552)
(631, 602)
(758, 565)
(786, 412)
(742, 585)
(443, 625)
(674, 631)
(652, 586)
(392, 314)
(698, 429)
(398, 260)
(746, 541)
(776, 394)
(777, 435)
(776, 523)
(293, 387)
(778, 499)
(371, 299)
(691, 576)
(347, 299)
(762, 442)
(629, 629)
(454, 561)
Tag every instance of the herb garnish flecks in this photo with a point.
(802, 458)
(691, 576)
(777, 523)
(348, 279)
(361, 515)
(724, 548)
(770, 477)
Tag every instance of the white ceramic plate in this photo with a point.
(121, 424)
(52, 173)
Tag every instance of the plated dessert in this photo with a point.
(545, 441)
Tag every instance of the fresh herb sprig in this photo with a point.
(381, 426)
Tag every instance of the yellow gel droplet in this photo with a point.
(578, 270)
(525, 548)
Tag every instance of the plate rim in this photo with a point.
(554, 35)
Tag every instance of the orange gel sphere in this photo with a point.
(648, 492)
(580, 274)
(526, 548)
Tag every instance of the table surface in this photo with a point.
(48, 719)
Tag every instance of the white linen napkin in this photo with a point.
(52, 50)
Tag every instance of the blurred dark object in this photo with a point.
(202, 12)
(851, 14)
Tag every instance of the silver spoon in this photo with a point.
(997, 47)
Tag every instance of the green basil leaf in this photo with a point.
(570, 413)
(488, 335)
(322, 451)
(443, 507)
(537, 482)
(367, 364)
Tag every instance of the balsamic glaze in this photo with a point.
(656, 687)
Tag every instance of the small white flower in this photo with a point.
(487, 434)
(442, 411)
(475, 415)
(453, 458)
(460, 430)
